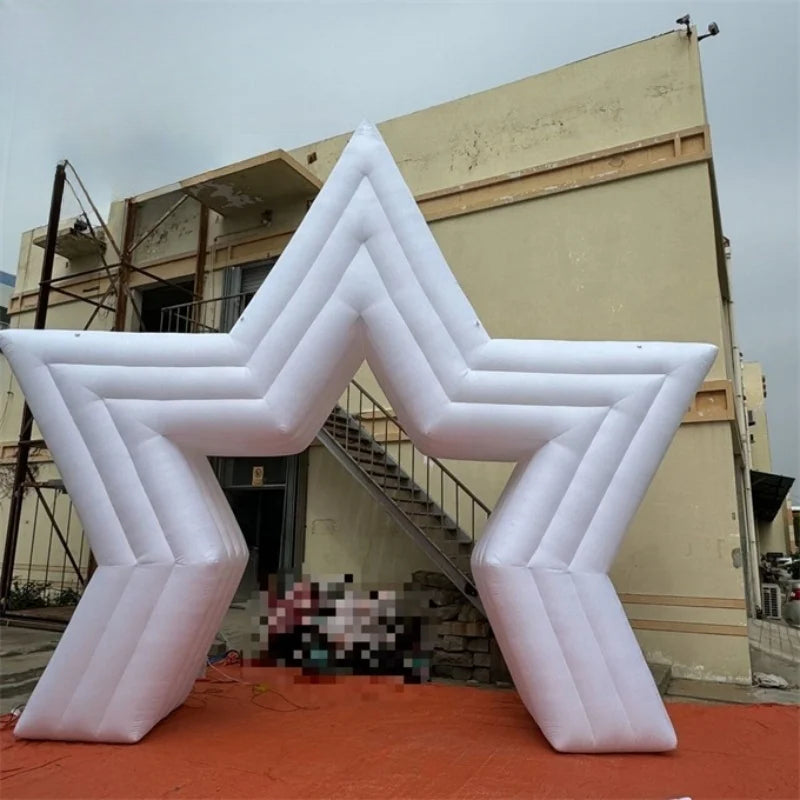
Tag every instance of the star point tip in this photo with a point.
(366, 128)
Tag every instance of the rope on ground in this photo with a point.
(234, 658)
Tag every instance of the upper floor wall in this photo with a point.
(573, 204)
(624, 96)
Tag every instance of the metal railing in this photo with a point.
(439, 483)
(204, 316)
(51, 560)
(464, 512)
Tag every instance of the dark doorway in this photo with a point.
(259, 513)
(158, 298)
(267, 497)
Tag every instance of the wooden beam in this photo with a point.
(684, 601)
(712, 403)
(636, 158)
(123, 273)
(688, 627)
(200, 267)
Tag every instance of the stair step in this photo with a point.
(375, 462)
(456, 548)
(400, 483)
(433, 515)
(446, 528)
(346, 437)
(378, 467)
(350, 427)
(415, 505)
(363, 446)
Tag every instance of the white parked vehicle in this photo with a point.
(791, 603)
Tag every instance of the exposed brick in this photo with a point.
(481, 674)
(465, 628)
(454, 628)
(445, 597)
(441, 657)
(499, 669)
(478, 645)
(477, 629)
(451, 643)
(445, 613)
(482, 660)
(456, 673)
(469, 613)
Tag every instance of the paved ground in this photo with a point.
(24, 654)
(269, 734)
(775, 649)
(775, 638)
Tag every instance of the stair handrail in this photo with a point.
(189, 314)
(390, 416)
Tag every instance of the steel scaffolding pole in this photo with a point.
(26, 426)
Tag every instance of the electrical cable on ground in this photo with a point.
(233, 657)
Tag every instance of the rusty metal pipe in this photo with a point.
(26, 425)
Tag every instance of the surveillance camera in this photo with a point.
(684, 20)
(713, 30)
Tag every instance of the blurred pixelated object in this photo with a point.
(330, 626)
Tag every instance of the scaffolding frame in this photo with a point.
(118, 275)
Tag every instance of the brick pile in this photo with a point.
(464, 647)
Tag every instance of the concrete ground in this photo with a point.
(775, 649)
(24, 653)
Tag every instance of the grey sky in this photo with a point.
(139, 94)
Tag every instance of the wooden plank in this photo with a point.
(688, 627)
(680, 600)
(712, 403)
(636, 158)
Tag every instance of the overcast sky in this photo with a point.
(139, 94)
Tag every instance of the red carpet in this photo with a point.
(361, 739)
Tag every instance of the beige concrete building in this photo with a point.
(575, 204)
(772, 505)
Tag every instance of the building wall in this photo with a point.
(625, 95)
(635, 258)
(347, 532)
(593, 258)
(755, 401)
(773, 536)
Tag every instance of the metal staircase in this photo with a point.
(421, 495)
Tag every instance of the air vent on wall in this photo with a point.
(771, 600)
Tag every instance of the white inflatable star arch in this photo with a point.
(130, 419)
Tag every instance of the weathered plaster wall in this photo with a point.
(347, 532)
(175, 236)
(633, 93)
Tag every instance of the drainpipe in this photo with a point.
(750, 554)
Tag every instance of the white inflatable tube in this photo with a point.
(130, 419)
